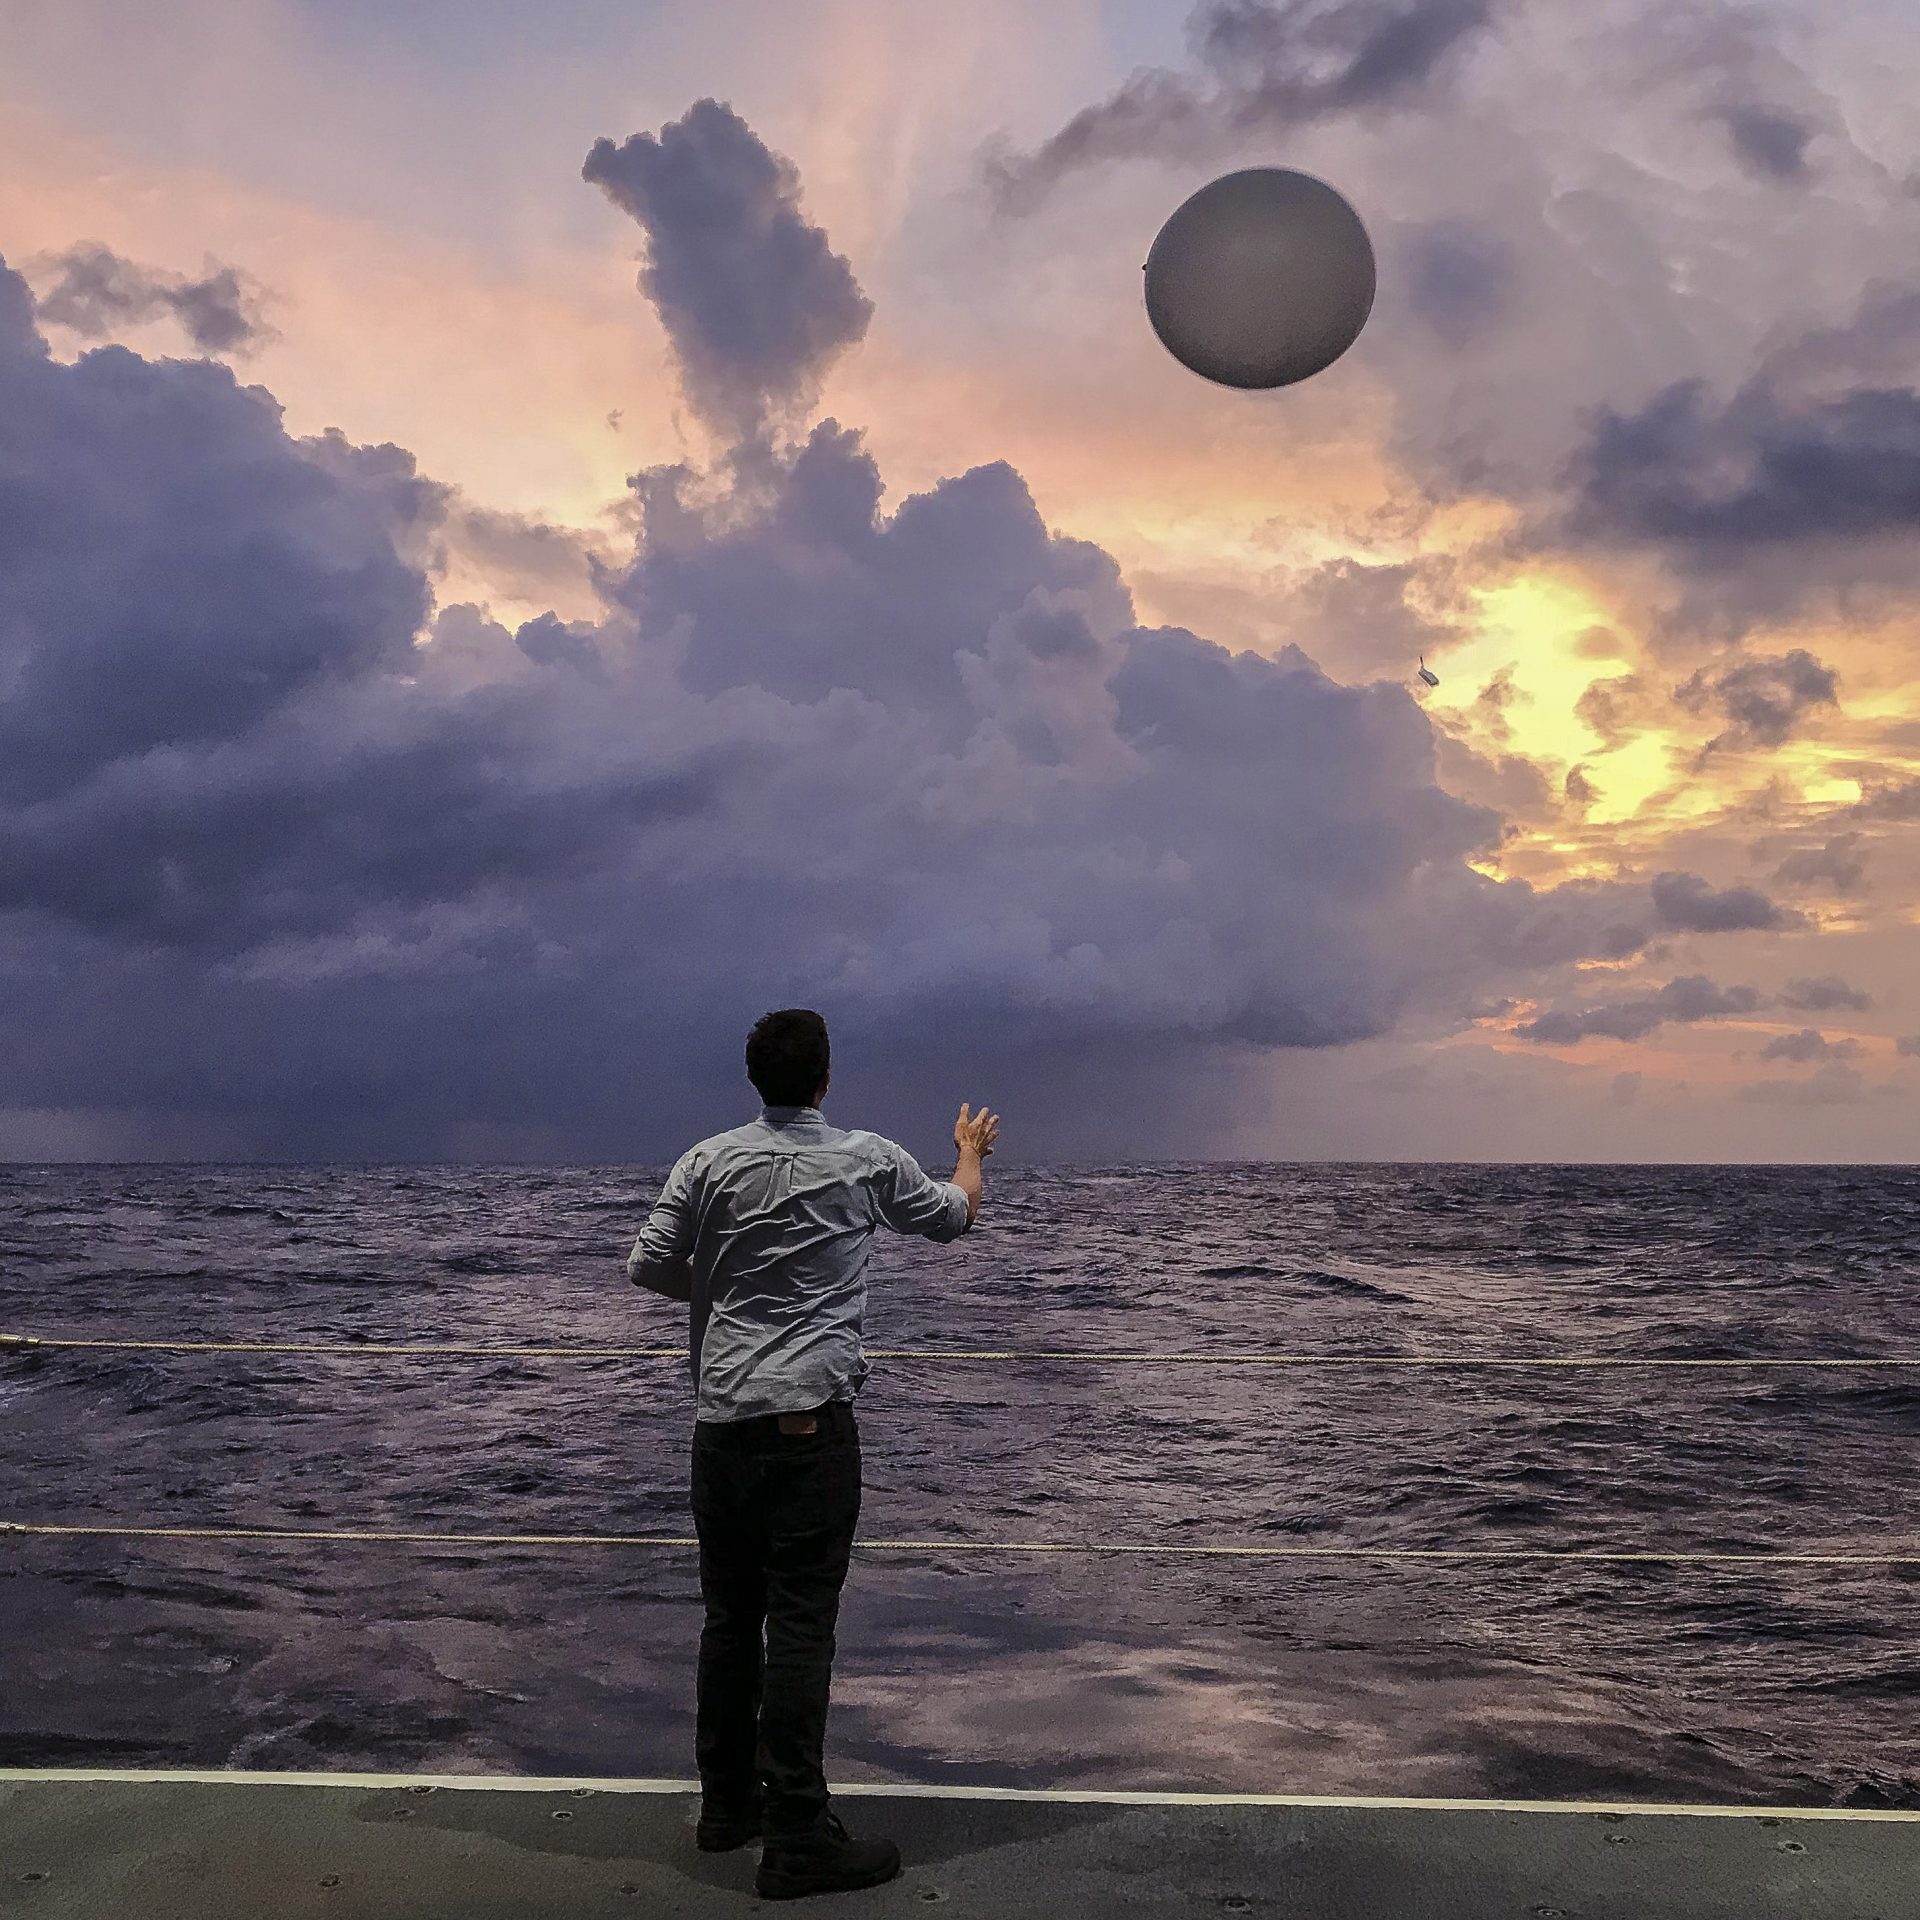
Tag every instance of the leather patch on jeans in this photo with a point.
(799, 1423)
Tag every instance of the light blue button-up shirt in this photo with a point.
(775, 1220)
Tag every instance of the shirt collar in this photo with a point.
(793, 1116)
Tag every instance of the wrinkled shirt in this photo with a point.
(775, 1219)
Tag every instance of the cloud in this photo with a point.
(1686, 903)
(1756, 470)
(524, 554)
(1689, 998)
(1511, 784)
(1619, 707)
(1355, 616)
(1885, 799)
(1579, 789)
(1808, 1044)
(1836, 1084)
(285, 848)
(1838, 863)
(756, 303)
(173, 568)
(1771, 143)
(1828, 994)
(1798, 490)
(98, 292)
(1764, 699)
(1460, 279)
(1739, 80)
(1908, 1044)
(1274, 68)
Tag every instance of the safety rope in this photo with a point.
(21, 1342)
(384, 1536)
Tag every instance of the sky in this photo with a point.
(529, 537)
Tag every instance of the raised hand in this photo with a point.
(978, 1132)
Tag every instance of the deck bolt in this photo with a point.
(561, 1813)
(330, 1880)
(1792, 1846)
(36, 1873)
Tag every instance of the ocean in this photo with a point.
(973, 1656)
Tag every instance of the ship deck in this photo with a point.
(232, 1846)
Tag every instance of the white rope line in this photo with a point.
(21, 1342)
(29, 1528)
(585, 1784)
(581, 1785)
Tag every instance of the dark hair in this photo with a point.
(787, 1056)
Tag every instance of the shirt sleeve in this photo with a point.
(911, 1203)
(667, 1238)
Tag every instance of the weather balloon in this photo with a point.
(1262, 278)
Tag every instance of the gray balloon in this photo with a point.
(1262, 278)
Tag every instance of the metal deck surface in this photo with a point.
(279, 1847)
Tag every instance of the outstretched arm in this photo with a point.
(974, 1137)
(941, 1209)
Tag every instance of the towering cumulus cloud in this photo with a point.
(754, 300)
(291, 862)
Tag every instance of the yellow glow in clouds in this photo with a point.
(1535, 626)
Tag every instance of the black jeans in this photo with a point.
(775, 1513)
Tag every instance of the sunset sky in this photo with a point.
(529, 536)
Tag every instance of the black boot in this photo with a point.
(830, 1860)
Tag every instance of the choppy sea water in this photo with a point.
(1657, 1680)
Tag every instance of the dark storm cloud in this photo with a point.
(18, 335)
(1273, 67)
(1801, 489)
(1886, 799)
(172, 568)
(1808, 1045)
(755, 301)
(1827, 994)
(312, 823)
(98, 292)
(268, 854)
(1689, 998)
(1459, 278)
(1758, 470)
(1768, 142)
(816, 593)
(1764, 700)
(1840, 863)
(1687, 904)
